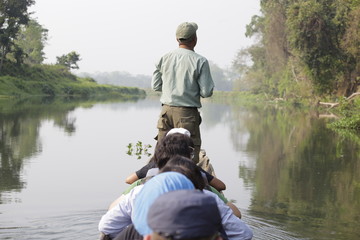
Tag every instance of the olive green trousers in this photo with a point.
(181, 117)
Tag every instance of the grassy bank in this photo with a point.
(54, 80)
(349, 115)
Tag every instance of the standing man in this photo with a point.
(182, 76)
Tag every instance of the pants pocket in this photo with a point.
(163, 123)
(188, 123)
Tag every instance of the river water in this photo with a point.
(64, 161)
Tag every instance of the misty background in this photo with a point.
(119, 41)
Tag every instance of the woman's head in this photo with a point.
(187, 167)
(171, 145)
(156, 186)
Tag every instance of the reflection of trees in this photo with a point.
(18, 141)
(303, 170)
(19, 131)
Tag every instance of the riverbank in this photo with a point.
(346, 113)
(55, 80)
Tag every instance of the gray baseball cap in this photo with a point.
(185, 214)
(186, 30)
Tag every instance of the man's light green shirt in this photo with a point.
(183, 76)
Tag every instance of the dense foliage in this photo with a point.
(304, 48)
(31, 40)
(13, 15)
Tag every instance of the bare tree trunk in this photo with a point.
(332, 105)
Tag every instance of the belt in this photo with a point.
(178, 106)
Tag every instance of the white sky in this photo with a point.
(131, 35)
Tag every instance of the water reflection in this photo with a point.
(20, 121)
(292, 176)
(305, 173)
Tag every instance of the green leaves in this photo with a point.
(69, 60)
(138, 149)
(13, 15)
(32, 40)
(317, 41)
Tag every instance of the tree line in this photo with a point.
(22, 39)
(303, 48)
(22, 42)
(223, 78)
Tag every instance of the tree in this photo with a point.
(13, 15)
(69, 60)
(32, 39)
(314, 37)
(305, 46)
(350, 45)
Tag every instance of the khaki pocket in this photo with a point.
(163, 124)
(188, 123)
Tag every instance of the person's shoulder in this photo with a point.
(171, 53)
(199, 57)
(136, 189)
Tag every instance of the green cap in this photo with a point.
(186, 30)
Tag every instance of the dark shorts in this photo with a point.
(129, 233)
(181, 117)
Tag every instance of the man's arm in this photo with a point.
(206, 82)
(131, 178)
(119, 216)
(156, 81)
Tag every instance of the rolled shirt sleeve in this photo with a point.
(206, 82)
(156, 81)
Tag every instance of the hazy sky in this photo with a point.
(131, 35)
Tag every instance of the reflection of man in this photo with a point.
(184, 214)
(182, 76)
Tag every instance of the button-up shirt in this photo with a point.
(183, 76)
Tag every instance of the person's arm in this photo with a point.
(127, 191)
(220, 195)
(118, 217)
(218, 184)
(234, 227)
(205, 81)
(234, 208)
(139, 174)
(156, 81)
(116, 202)
(131, 178)
(133, 185)
(213, 181)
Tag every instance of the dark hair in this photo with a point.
(171, 145)
(187, 167)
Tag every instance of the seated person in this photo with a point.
(133, 207)
(121, 215)
(155, 163)
(168, 147)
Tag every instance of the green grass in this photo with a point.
(350, 115)
(54, 80)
